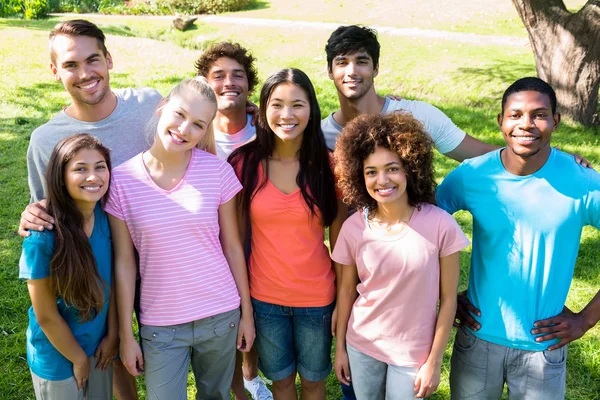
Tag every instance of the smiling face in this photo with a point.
(184, 120)
(229, 81)
(385, 178)
(82, 67)
(87, 177)
(288, 112)
(527, 124)
(353, 74)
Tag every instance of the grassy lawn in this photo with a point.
(487, 17)
(466, 82)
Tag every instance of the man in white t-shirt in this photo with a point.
(352, 64)
(229, 69)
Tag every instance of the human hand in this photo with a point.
(131, 356)
(393, 97)
(107, 351)
(566, 326)
(81, 372)
(252, 109)
(465, 311)
(341, 365)
(334, 320)
(246, 333)
(35, 218)
(427, 381)
(579, 159)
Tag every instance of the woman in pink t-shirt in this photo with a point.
(400, 255)
(288, 200)
(176, 204)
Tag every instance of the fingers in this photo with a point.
(81, 382)
(34, 214)
(563, 342)
(467, 319)
(240, 341)
(417, 384)
(140, 363)
(343, 373)
(548, 322)
(32, 223)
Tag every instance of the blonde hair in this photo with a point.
(200, 86)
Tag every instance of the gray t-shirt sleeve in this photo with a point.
(37, 161)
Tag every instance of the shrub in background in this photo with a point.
(11, 8)
(204, 6)
(36, 9)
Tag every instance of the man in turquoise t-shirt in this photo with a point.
(529, 204)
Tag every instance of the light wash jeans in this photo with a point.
(479, 370)
(375, 380)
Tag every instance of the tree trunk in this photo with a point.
(566, 47)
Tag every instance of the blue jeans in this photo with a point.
(479, 370)
(347, 392)
(376, 380)
(290, 339)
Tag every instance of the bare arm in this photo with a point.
(56, 329)
(345, 299)
(125, 275)
(469, 148)
(334, 231)
(234, 253)
(428, 377)
(109, 346)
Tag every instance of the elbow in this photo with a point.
(47, 321)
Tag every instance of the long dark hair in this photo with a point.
(73, 271)
(315, 177)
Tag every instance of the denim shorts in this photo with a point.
(292, 339)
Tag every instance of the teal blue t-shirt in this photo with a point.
(526, 233)
(43, 359)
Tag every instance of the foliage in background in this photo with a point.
(30, 9)
(36, 9)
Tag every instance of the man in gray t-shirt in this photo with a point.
(119, 118)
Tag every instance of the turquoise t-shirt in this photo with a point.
(526, 233)
(44, 360)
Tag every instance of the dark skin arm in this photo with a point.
(568, 326)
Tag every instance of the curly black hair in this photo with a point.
(398, 132)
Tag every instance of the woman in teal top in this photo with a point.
(72, 334)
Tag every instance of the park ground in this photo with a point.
(465, 80)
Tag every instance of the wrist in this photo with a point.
(246, 309)
(340, 344)
(81, 358)
(589, 321)
(124, 336)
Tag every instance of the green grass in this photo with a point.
(485, 17)
(466, 82)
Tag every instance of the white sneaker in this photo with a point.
(258, 389)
